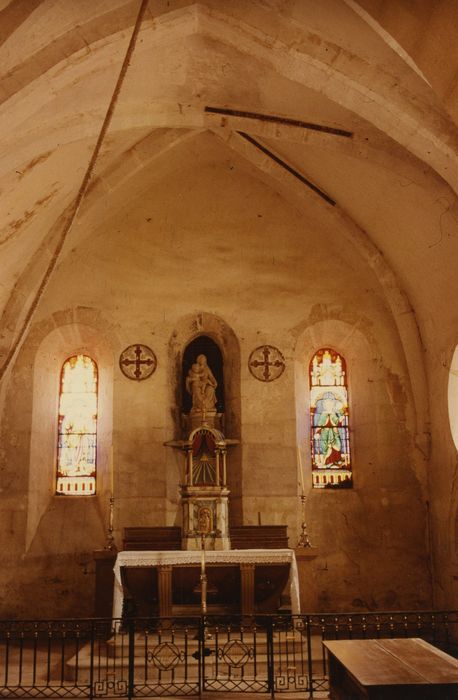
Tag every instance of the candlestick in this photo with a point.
(301, 473)
(203, 583)
(111, 471)
(304, 540)
(203, 580)
(110, 539)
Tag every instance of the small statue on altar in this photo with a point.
(204, 521)
(201, 384)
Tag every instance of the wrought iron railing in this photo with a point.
(146, 657)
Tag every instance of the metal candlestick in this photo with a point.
(203, 580)
(304, 540)
(203, 594)
(110, 539)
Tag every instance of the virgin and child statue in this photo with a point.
(201, 384)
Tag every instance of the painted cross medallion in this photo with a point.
(266, 363)
(137, 362)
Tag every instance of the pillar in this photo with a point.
(164, 584)
(247, 585)
(307, 588)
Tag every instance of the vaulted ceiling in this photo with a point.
(246, 77)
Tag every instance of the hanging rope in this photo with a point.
(81, 192)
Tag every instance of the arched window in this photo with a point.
(77, 428)
(453, 397)
(329, 435)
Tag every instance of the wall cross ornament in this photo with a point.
(266, 363)
(137, 362)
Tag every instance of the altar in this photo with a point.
(165, 562)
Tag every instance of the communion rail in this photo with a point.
(139, 657)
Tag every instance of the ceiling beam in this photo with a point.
(292, 171)
(279, 120)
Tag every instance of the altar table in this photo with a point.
(164, 561)
(391, 669)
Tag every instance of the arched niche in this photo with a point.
(389, 478)
(382, 420)
(187, 331)
(360, 351)
(203, 345)
(70, 338)
(210, 330)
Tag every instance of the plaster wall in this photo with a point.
(213, 249)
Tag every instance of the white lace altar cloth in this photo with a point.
(230, 556)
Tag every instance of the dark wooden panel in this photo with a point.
(223, 586)
(169, 538)
(140, 588)
(259, 537)
(269, 583)
(104, 582)
(152, 538)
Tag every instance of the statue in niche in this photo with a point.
(201, 384)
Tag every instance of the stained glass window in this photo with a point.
(77, 429)
(329, 434)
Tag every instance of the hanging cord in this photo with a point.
(81, 192)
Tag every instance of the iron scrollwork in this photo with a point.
(165, 656)
(235, 653)
(110, 687)
(291, 680)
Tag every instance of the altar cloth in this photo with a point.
(220, 556)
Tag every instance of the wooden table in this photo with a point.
(390, 668)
